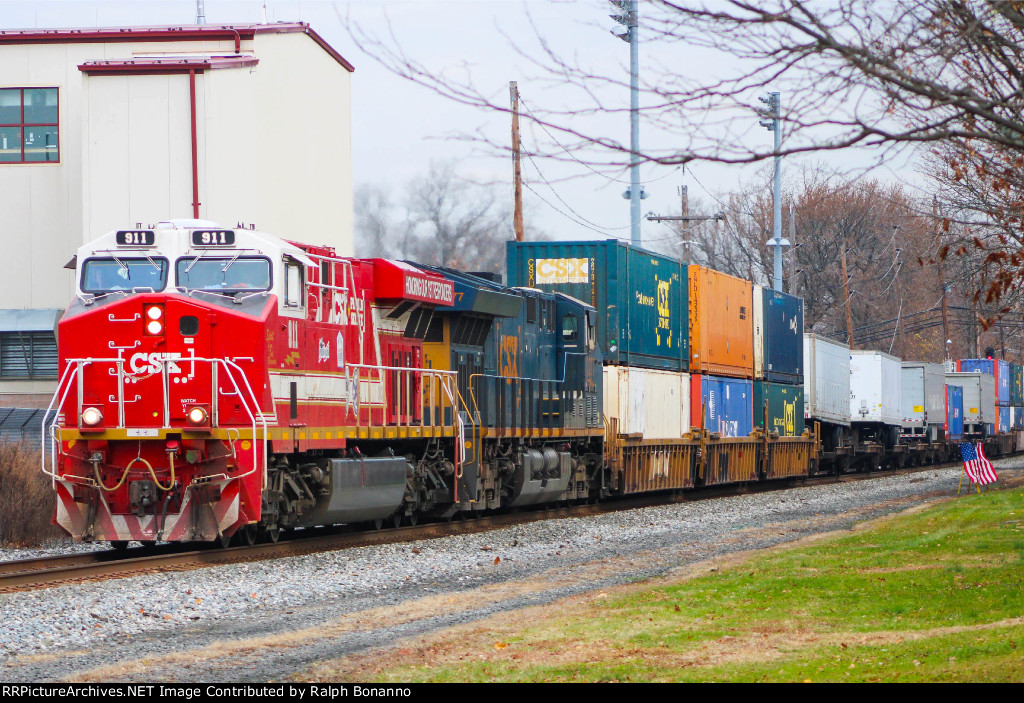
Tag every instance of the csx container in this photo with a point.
(1016, 385)
(727, 404)
(954, 412)
(979, 400)
(778, 336)
(875, 387)
(721, 324)
(826, 380)
(647, 403)
(641, 297)
(997, 368)
(923, 398)
(783, 404)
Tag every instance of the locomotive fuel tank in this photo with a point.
(356, 490)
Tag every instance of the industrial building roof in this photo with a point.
(103, 35)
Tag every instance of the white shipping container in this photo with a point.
(758, 332)
(875, 387)
(979, 396)
(826, 380)
(648, 403)
(923, 394)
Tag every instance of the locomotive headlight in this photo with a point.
(154, 326)
(154, 312)
(196, 415)
(154, 319)
(92, 417)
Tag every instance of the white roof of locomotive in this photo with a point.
(174, 242)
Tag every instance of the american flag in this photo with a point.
(979, 469)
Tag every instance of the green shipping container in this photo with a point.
(1016, 385)
(642, 298)
(785, 407)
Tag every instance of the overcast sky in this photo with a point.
(400, 127)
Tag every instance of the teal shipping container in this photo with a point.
(785, 411)
(642, 298)
(1016, 385)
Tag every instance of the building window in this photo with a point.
(28, 125)
(28, 355)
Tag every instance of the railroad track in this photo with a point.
(45, 572)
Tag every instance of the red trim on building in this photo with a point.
(205, 32)
(120, 67)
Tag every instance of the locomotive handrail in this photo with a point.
(73, 370)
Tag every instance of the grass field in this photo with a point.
(932, 596)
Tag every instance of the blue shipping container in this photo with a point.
(728, 404)
(1017, 418)
(1004, 418)
(954, 412)
(778, 336)
(993, 367)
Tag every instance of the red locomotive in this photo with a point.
(218, 382)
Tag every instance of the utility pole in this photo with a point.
(517, 176)
(946, 339)
(772, 121)
(846, 292)
(628, 18)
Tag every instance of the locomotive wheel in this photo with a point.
(248, 534)
(119, 545)
(396, 519)
(274, 533)
(413, 519)
(224, 540)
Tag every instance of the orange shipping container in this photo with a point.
(721, 324)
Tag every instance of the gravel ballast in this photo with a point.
(122, 620)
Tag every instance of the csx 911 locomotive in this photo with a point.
(224, 382)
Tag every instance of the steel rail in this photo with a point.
(46, 572)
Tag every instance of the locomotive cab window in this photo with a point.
(111, 274)
(227, 275)
(293, 282)
(570, 328)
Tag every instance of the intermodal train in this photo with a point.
(222, 384)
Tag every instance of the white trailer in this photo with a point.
(826, 380)
(923, 398)
(875, 388)
(979, 400)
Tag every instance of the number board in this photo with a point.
(136, 238)
(213, 237)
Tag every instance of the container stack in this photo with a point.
(1000, 372)
(778, 362)
(1016, 397)
(954, 426)
(721, 352)
(641, 327)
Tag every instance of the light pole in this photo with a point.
(773, 123)
(628, 19)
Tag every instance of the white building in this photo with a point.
(103, 129)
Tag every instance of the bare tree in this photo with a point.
(443, 219)
(855, 73)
